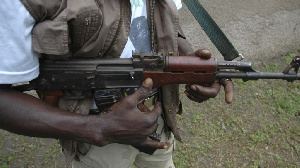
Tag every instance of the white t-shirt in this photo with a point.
(139, 39)
(19, 63)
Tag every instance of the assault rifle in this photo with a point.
(95, 73)
(96, 76)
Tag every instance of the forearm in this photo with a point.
(23, 114)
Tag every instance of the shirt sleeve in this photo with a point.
(19, 63)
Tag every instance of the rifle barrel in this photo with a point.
(258, 75)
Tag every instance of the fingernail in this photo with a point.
(147, 82)
(193, 87)
(168, 145)
(229, 99)
(186, 93)
(205, 53)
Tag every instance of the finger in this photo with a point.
(229, 91)
(149, 146)
(153, 115)
(193, 95)
(210, 92)
(143, 91)
(155, 144)
(203, 53)
(198, 99)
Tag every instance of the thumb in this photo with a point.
(143, 90)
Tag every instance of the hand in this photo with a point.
(200, 93)
(125, 123)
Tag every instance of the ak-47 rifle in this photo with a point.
(97, 74)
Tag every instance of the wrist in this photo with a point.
(91, 130)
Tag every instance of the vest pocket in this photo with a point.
(84, 27)
(51, 37)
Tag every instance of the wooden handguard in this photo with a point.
(184, 69)
(51, 96)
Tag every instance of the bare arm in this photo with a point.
(23, 114)
(26, 115)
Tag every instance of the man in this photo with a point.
(62, 29)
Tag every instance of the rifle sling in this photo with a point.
(212, 30)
